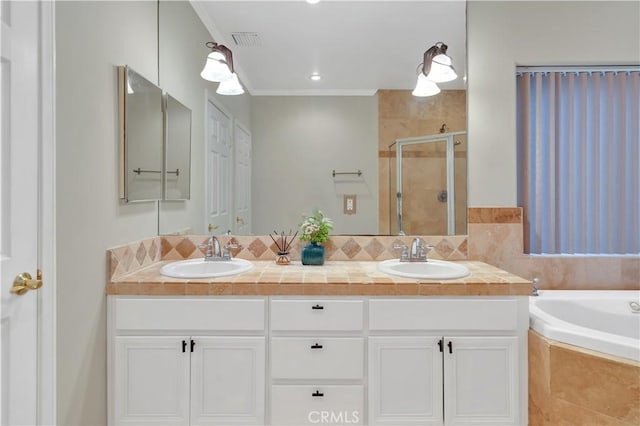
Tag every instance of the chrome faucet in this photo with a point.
(534, 287)
(417, 252)
(215, 251)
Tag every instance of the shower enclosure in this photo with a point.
(429, 176)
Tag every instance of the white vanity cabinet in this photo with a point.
(294, 360)
(451, 361)
(317, 360)
(186, 361)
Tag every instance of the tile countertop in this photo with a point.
(349, 278)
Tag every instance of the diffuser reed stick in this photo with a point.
(283, 243)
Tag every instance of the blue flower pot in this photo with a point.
(313, 254)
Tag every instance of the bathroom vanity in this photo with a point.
(338, 344)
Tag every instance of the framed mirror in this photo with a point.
(141, 137)
(177, 176)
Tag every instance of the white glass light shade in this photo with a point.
(231, 86)
(425, 87)
(216, 68)
(441, 70)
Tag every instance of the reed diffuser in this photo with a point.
(283, 243)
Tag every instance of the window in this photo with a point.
(578, 159)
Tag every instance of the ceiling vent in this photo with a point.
(246, 39)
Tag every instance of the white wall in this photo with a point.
(91, 39)
(502, 35)
(297, 142)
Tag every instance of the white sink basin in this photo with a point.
(199, 268)
(430, 270)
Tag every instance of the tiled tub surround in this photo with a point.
(496, 237)
(571, 385)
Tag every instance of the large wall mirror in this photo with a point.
(301, 131)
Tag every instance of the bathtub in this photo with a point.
(602, 321)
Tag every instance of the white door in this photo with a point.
(405, 381)
(218, 170)
(481, 381)
(227, 381)
(19, 127)
(242, 188)
(151, 380)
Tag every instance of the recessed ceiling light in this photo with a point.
(312, 1)
(315, 76)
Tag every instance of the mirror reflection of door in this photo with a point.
(219, 169)
(242, 189)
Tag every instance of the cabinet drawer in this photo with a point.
(443, 314)
(297, 405)
(317, 315)
(188, 314)
(321, 358)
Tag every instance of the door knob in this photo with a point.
(25, 282)
(212, 228)
(239, 220)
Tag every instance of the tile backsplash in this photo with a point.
(495, 237)
(134, 256)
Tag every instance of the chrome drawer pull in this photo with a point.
(316, 346)
(317, 394)
(317, 307)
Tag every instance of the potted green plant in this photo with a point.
(315, 229)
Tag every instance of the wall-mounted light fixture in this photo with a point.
(435, 68)
(219, 68)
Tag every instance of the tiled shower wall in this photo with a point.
(402, 115)
(496, 237)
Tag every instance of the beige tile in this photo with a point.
(292, 290)
(539, 369)
(162, 289)
(630, 273)
(266, 289)
(244, 289)
(538, 416)
(565, 413)
(596, 383)
(197, 289)
(220, 289)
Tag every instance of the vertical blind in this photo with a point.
(578, 160)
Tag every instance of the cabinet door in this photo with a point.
(227, 380)
(405, 381)
(481, 381)
(151, 381)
